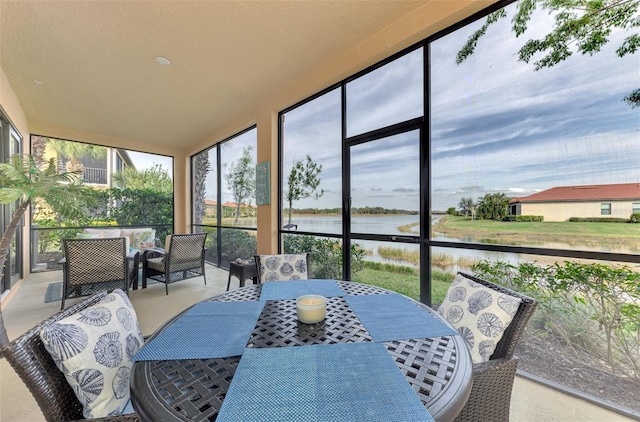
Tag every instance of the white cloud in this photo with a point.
(496, 124)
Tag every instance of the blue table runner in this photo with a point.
(339, 382)
(394, 317)
(207, 330)
(279, 290)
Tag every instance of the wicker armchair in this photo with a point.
(91, 265)
(282, 267)
(490, 397)
(183, 258)
(31, 361)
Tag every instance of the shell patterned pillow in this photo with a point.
(93, 348)
(284, 267)
(480, 315)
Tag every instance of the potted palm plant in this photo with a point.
(23, 180)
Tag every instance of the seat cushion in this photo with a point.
(479, 313)
(103, 233)
(89, 236)
(156, 263)
(93, 349)
(284, 267)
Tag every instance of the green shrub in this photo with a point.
(235, 243)
(326, 254)
(635, 217)
(142, 207)
(598, 220)
(593, 307)
(524, 218)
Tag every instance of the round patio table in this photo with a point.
(439, 369)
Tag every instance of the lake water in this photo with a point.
(389, 225)
(366, 224)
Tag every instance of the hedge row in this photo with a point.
(524, 218)
(598, 220)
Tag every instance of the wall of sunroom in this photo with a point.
(10, 105)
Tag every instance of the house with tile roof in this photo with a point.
(563, 202)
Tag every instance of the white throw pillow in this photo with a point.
(480, 315)
(93, 348)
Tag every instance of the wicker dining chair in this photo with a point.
(490, 397)
(183, 258)
(282, 267)
(36, 368)
(91, 265)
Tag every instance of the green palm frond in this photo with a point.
(9, 195)
(22, 179)
(10, 174)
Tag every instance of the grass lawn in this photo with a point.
(533, 233)
(406, 284)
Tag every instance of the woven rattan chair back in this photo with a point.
(261, 269)
(490, 397)
(91, 265)
(184, 259)
(35, 367)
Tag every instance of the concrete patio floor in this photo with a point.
(26, 308)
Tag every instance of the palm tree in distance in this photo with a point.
(21, 182)
(75, 151)
(154, 178)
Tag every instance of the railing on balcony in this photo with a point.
(96, 176)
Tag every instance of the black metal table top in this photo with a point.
(438, 368)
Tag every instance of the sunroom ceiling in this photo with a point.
(89, 65)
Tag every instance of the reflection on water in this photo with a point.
(390, 224)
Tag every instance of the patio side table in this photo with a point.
(242, 272)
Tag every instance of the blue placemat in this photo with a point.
(207, 330)
(292, 289)
(337, 382)
(394, 317)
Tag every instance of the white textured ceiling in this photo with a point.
(96, 59)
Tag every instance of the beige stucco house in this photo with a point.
(563, 202)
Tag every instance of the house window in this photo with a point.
(636, 208)
(605, 208)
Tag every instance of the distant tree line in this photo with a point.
(355, 210)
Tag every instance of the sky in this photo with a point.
(230, 151)
(144, 161)
(496, 124)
